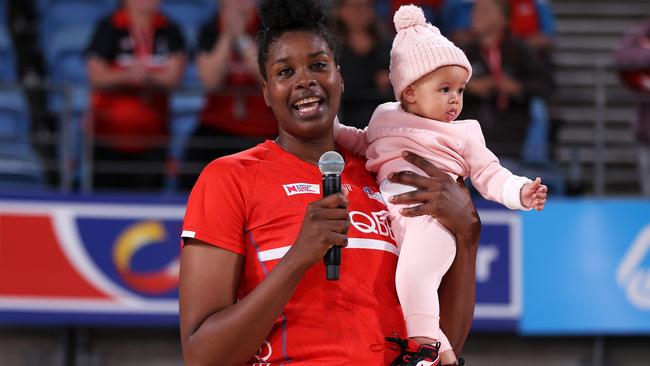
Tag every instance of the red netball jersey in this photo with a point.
(253, 203)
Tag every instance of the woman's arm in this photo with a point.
(449, 202)
(216, 329)
(213, 66)
(171, 75)
(102, 76)
(350, 138)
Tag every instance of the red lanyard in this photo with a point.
(142, 40)
(492, 54)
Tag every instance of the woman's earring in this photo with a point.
(342, 87)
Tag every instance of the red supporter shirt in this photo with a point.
(131, 113)
(243, 111)
(524, 20)
(253, 203)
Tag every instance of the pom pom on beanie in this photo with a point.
(408, 16)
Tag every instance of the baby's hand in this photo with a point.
(533, 195)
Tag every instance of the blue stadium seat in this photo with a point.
(189, 12)
(191, 75)
(7, 56)
(66, 66)
(3, 13)
(14, 116)
(20, 166)
(64, 53)
(189, 15)
(55, 14)
(185, 109)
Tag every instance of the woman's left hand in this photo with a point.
(438, 195)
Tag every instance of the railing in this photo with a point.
(72, 162)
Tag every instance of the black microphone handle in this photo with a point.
(332, 259)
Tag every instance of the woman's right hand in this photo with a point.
(440, 196)
(325, 224)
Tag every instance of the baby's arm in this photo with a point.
(350, 138)
(495, 182)
(533, 195)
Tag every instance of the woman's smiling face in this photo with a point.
(303, 86)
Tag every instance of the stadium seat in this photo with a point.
(20, 166)
(185, 109)
(14, 121)
(7, 56)
(63, 51)
(189, 12)
(56, 14)
(64, 54)
(189, 15)
(3, 13)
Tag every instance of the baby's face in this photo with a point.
(439, 94)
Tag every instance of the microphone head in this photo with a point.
(331, 162)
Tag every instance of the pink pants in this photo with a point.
(427, 250)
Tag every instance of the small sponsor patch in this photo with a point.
(374, 194)
(301, 188)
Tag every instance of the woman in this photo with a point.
(364, 59)
(632, 58)
(135, 58)
(227, 67)
(506, 75)
(253, 286)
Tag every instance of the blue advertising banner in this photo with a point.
(114, 260)
(89, 260)
(498, 271)
(587, 268)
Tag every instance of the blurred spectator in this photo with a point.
(386, 9)
(22, 21)
(532, 20)
(507, 74)
(136, 56)
(227, 66)
(633, 60)
(365, 58)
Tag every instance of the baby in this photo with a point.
(429, 74)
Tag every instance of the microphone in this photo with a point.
(331, 165)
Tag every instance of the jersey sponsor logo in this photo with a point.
(374, 195)
(375, 223)
(632, 276)
(301, 188)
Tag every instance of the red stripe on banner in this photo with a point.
(33, 264)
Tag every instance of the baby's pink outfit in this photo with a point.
(427, 248)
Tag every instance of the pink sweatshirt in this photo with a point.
(456, 147)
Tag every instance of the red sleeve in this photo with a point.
(215, 212)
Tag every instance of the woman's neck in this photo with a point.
(140, 19)
(307, 150)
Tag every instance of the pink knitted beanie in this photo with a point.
(418, 49)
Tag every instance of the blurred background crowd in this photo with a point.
(138, 95)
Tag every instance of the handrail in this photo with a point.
(71, 170)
